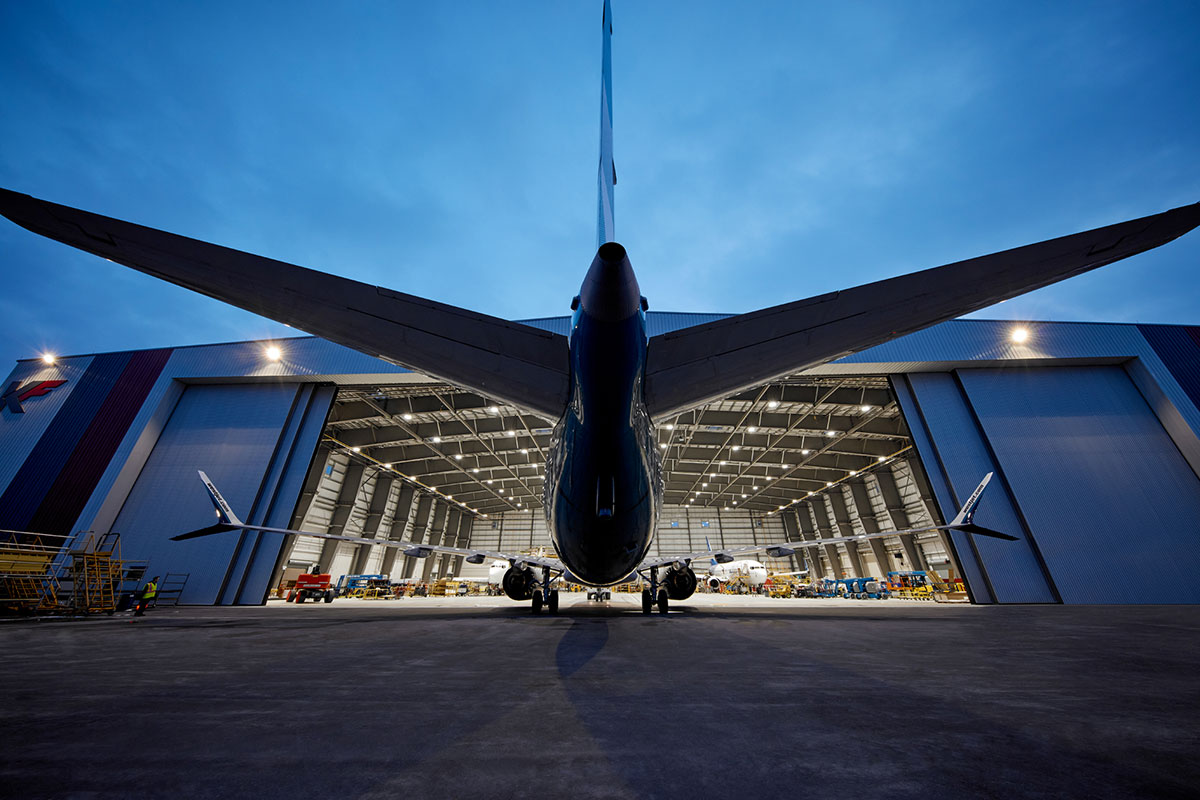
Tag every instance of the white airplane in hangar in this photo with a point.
(608, 383)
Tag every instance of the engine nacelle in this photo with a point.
(680, 583)
(519, 583)
(714, 584)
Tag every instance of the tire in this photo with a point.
(664, 604)
(291, 597)
(647, 603)
(553, 604)
(537, 602)
(299, 597)
(329, 595)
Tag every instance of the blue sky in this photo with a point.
(765, 152)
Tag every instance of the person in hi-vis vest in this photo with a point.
(149, 592)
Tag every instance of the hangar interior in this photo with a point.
(804, 458)
(1090, 428)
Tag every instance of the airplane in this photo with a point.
(754, 572)
(606, 384)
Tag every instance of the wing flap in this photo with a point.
(693, 366)
(504, 360)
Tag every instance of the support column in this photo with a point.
(465, 523)
(420, 522)
(347, 496)
(821, 525)
(449, 536)
(859, 505)
(435, 537)
(378, 504)
(400, 520)
(836, 503)
(890, 487)
(808, 532)
(791, 533)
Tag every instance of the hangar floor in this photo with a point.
(865, 699)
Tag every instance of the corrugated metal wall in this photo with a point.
(255, 441)
(1087, 476)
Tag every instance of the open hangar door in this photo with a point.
(1094, 482)
(802, 458)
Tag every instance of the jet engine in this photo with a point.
(714, 583)
(680, 583)
(519, 583)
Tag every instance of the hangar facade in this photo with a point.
(1092, 429)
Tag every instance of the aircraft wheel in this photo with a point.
(537, 602)
(553, 604)
(664, 604)
(647, 602)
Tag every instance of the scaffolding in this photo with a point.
(79, 574)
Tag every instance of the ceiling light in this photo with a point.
(524, 451)
(356, 449)
(458, 456)
(489, 481)
(827, 484)
(853, 473)
(881, 459)
(767, 478)
(831, 434)
(743, 497)
(511, 433)
(722, 463)
(49, 358)
(273, 353)
(712, 475)
(387, 466)
(752, 429)
(783, 466)
(436, 439)
(754, 488)
(449, 497)
(669, 426)
(663, 446)
(735, 502)
(805, 452)
(704, 486)
(866, 409)
(494, 409)
(737, 447)
(1020, 335)
(772, 404)
(474, 469)
(406, 417)
(501, 491)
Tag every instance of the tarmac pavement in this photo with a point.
(724, 697)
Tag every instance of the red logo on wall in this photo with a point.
(18, 392)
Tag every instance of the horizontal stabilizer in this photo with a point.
(690, 367)
(508, 361)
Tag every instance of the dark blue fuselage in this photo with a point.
(604, 478)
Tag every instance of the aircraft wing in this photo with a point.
(230, 522)
(963, 521)
(504, 360)
(693, 366)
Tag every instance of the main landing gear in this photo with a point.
(654, 591)
(544, 596)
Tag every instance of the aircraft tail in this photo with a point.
(605, 231)
(962, 521)
(224, 512)
(708, 544)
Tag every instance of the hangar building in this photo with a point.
(1091, 428)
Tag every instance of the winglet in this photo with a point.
(224, 512)
(968, 510)
(708, 544)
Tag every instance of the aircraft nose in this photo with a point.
(610, 290)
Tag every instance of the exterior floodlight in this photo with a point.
(273, 353)
(1020, 335)
(49, 358)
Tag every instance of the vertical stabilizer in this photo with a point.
(608, 171)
